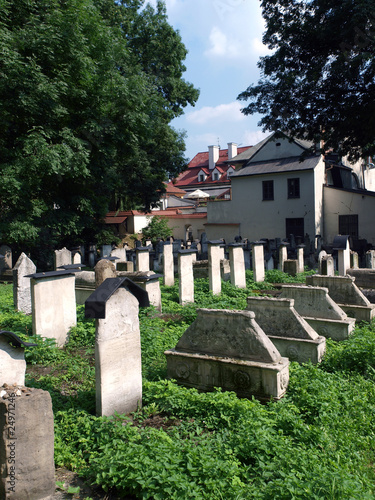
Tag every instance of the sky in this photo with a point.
(224, 40)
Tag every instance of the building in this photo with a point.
(284, 186)
(210, 172)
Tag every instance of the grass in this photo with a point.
(318, 442)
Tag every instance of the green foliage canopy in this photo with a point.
(319, 81)
(157, 228)
(87, 92)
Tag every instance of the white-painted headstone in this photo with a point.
(186, 276)
(237, 266)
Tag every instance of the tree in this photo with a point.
(319, 81)
(157, 228)
(87, 92)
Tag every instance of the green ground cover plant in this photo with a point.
(317, 442)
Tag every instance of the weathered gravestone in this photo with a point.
(293, 337)
(185, 276)
(84, 285)
(283, 254)
(215, 254)
(168, 264)
(346, 294)
(26, 428)
(319, 310)
(228, 349)
(370, 259)
(237, 265)
(291, 267)
(62, 257)
(142, 258)
(120, 253)
(6, 259)
(104, 269)
(21, 284)
(118, 371)
(258, 261)
(53, 304)
(341, 244)
(12, 358)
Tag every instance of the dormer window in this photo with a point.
(230, 172)
(215, 175)
(201, 176)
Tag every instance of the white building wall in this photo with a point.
(339, 202)
(265, 219)
(275, 149)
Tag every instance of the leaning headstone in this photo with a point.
(21, 284)
(293, 337)
(53, 305)
(62, 257)
(319, 310)
(237, 265)
(168, 265)
(228, 349)
(215, 254)
(258, 261)
(26, 444)
(118, 370)
(185, 276)
(142, 259)
(104, 269)
(12, 359)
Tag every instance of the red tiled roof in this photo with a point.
(114, 220)
(170, 188)
(189, 178)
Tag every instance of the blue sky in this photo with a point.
(224, 40)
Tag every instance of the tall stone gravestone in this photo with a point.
(185, 276)
(215, 255)
(258, 261)
(21, 284)
(341, 244)
(237, 265)
(118, 370)
(142, 258)
(168, 264)
(53, 304)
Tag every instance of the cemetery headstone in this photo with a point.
(12, 358)
(258, 261)
(62, 257)
(215, 254)
(21, 284)
(142, 259)
(185, 276)
(168, 265)
(341, 244)
(6, 259)
(237, 265)
(118, 369)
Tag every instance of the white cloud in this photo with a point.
(252, 137)
(222, 112)
(220, 46)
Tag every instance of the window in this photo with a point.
(201, 177)
(293, 188)
(267, 190)
(348, 224)
(215, 176)
(295, 226)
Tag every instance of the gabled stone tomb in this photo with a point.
(228, 349)
(346, 294)
(320, 311)
(289, 332)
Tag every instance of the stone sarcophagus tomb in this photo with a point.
(228, 349)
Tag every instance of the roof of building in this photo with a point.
(278, 166)
(200, 163)
(170, 188)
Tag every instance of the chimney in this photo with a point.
(232, 150)
(213, 156)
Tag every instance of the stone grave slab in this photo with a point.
(21, 284)
(293, 337)
(12, 358)
(62, 257)
(228, 349)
